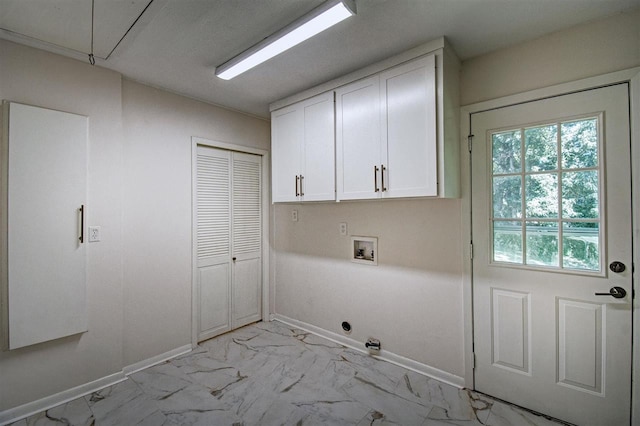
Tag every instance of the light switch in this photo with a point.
(94, 234)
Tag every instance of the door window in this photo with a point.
(546, 197)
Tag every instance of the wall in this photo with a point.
(411, 301)
(139, 275)
(35, 77)
(586, 50)
(157, 215)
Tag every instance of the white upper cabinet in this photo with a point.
(396, 132)
(358, 144)
(386, 134)
(303, 156)
(408, 130)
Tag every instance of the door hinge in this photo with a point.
(469, 141)
(471, 250)
(474, 361)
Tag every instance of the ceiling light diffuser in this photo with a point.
(319, 19)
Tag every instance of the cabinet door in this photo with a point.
(246, 229)
(287, 135)
(358, 140)
(46, 260)
(318, 171)
(213, 213)
(409, 129)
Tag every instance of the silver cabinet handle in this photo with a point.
(375, 179)
(297, 185)
(81, 238)
(301, 192)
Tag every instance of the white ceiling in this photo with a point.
(176, 44)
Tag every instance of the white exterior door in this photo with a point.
(229, 235)
(551, 202)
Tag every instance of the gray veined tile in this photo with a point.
(438, 417)
(327, 406)
(319, 345)
(506, 415)
(382, 373)
(195, 405)
(376, 418)
(393, 408)
(161, 380)
(329, 373)
(454, 403)
(75, 413)
(123, 403)
(237, 351)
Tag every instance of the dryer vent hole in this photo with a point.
(346, 327)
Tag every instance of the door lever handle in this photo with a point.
(617, 292)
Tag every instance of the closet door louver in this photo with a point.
(247, 238)
(213, 177)
(247, 219)
(214, 206)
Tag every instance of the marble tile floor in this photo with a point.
(270, 374)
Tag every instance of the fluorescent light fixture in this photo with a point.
(319, 19)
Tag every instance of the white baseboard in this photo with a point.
(391, 357)
(150, 362)
(14, 414)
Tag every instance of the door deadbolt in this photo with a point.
(617, 267)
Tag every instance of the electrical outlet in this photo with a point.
(94, 234)
(294, 215)
(343, 228)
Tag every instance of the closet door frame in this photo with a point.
(266, 184)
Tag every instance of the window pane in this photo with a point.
(542, 243)
(541, 148)
(507, 242)
(507, 197)
(580, 144)
(580, 195)
(506, 152)
(542, 195)
(580, 245)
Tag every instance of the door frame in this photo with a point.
(631, 76)
(195, 141)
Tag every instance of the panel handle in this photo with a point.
(375, 179)
(301, 191)
(297, 185)
(382, 169)
(617, 292)
(81, 237)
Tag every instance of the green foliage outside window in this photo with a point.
(550, 201)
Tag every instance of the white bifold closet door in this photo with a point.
(229, 240)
